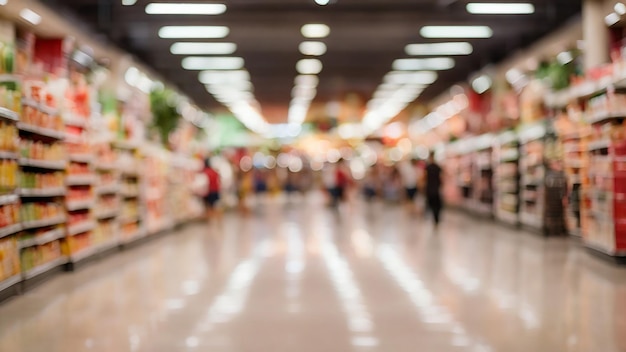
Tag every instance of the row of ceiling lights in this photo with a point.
(411, 76)
(223, 76)
(305, 84)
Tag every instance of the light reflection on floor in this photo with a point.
(302, 277)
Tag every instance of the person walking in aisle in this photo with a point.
(409, 175)
(212, 195)
(433, 188)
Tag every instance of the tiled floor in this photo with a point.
(302, 277)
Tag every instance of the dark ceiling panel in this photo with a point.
(366, 36)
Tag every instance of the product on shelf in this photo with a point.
(33, 116)
(9, 137)
(41, 151)
(40, 211)
(9, 260)
(78, 242)
(36, 256)
(8, 175)
(75, 194)
(9, 215)
(78, 169)
(33, 180)
(507, 178)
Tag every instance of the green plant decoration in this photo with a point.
(165, 117)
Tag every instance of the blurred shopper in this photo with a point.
(370, 184)
(433, 188)
(342, 182)
(409, 175)
(244, 188)
(212, 195)
(329, 181)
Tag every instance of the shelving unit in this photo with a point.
(507, 178)
(482, 174)
(533, 172)
(108, 200)
(43, 157)
(131, 221)
(576, 166)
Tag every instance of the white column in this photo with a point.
(595, 33)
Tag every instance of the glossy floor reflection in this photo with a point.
(301, 277)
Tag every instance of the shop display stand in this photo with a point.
(183, 204)
(42, 158)
(575, 165)
(482, 175)
(158, 216)
(604, 199)
(131, 220)
(533, 172)
(10, 275)
(507, 178)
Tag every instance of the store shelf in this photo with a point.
(42, 192)
(9, 230)
(599, 145)
(8, 155)
(130, 173)
(44, 164)
(44, 132)
(80, 204)
(81, 227)
(129, 219)
(75, 121)
(15, 279)
(43, 223)
(44, 268)
(48, 237)
(41, 107)
(107, 214)
(507, 216)
(8, 114)
(140, 233)
(108, 189)
(603, 116)
(79, 180)
(9, 199)
(105, 166)
(126, 145)
(127, 194)
(93, 250)
(82, 158)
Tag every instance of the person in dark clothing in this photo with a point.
(433, 188)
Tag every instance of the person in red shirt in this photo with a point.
(342, 182)
(212, 195)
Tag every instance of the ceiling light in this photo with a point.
(493, 8)
(315, 30)
(456, 32)
(620, 8)
(565, 57)
(3, 2)
(206, 32)
(306, 80)
(129, 2)
(185, 9)
(309, 66)
(438, 63)
(312, 48)
(213, 63)
(459, 48)
(30, 16)
(222, 77)
(322, 2)
(203, 48)
(402, 77)
(481, 84)
(612, 19)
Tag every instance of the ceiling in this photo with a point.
(366, 37)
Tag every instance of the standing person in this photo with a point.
(328, 181)
(341, 183)
(433, 188)
(213, 189)
(408, 173)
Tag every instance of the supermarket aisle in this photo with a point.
(303, 278)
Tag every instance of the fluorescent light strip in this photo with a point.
(193, 32)
(223, 77)
(456, 32)
(315, 30)
(404, 77)
(499, 8)
(431, 49)
(213, 63)
(310, 48)
(30, 16)
(185, 9)
(309, 66)
(439, 63)
(203, 48)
